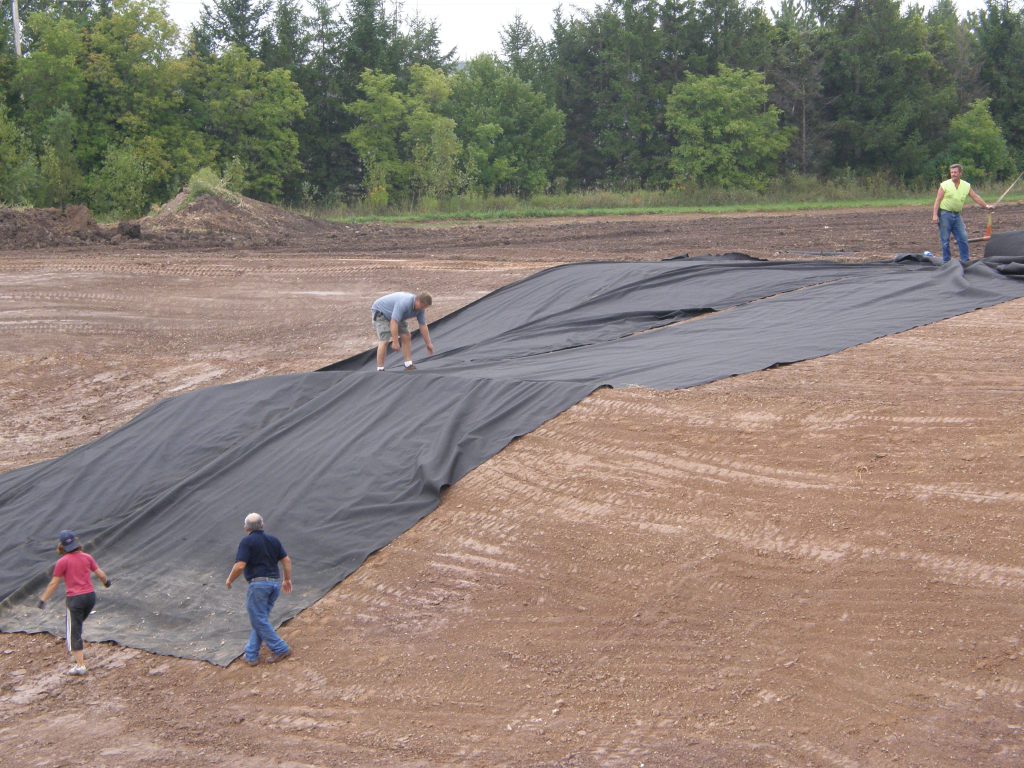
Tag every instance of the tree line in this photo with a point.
(111, 105)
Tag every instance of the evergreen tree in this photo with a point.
(330, 165)
(956, 50)
(731, 32)
(887, 97)
(1000, 32)
(796, 74)
(233, 23)
(419, 42)
(573, 61)
(523, 50)
(286, 40)
(370, 36)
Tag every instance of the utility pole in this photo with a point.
(17, 28)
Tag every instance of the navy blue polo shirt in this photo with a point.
(260, 552)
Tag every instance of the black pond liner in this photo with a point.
(343, 460)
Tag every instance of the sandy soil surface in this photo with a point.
(818, 565)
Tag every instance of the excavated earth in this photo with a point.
(815, 565)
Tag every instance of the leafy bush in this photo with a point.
(205, 181)
(19, 170)
(119, 185)
(977, 143)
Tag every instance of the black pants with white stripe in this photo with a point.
(79, 608)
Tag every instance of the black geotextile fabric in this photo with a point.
(1003, 253)
(343, 460)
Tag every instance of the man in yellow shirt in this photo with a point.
(949, 201)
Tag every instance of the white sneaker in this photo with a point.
(77, 671)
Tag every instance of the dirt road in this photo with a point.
(818, 565)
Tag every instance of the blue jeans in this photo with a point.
(259, 601)
(953, 222)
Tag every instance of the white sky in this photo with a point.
(473, 25)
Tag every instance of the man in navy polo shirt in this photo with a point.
(259, 555)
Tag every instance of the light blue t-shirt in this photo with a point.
(398, 307)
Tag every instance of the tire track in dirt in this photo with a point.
(769, 635)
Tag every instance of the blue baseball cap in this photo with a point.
(68, 540)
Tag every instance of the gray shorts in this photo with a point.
(382, 326)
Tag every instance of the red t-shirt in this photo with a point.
(76, 569)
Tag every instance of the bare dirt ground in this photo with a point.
(818, 565)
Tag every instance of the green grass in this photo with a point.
(794, 194)
(528, 211)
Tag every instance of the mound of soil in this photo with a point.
(211, 221)
(49, 227)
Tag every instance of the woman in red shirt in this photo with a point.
(75, 568)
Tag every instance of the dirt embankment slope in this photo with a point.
(817, 565)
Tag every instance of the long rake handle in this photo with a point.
(988, 225)
(1019, 175)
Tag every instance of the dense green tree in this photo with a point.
(628, 118)
(610, 72)
(61, 175)
(419, 42)
(999, 28)
(510, 131)
(406, 143)
(888, 99)
(128, 89)
(19, 170)
(371, 38)
(120, 80)
(329, 164)
(728, 134)
(795, 73)
(731, 32)
(433, 149)
(78, 13)
(683, 41)
(377, 136)
(52, 77)
(286, 44)
(249, 112)
(956, 50)
(977, 143)
(177, 144)
(569, 84)
(604, 76)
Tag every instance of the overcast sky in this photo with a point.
(472, 26)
